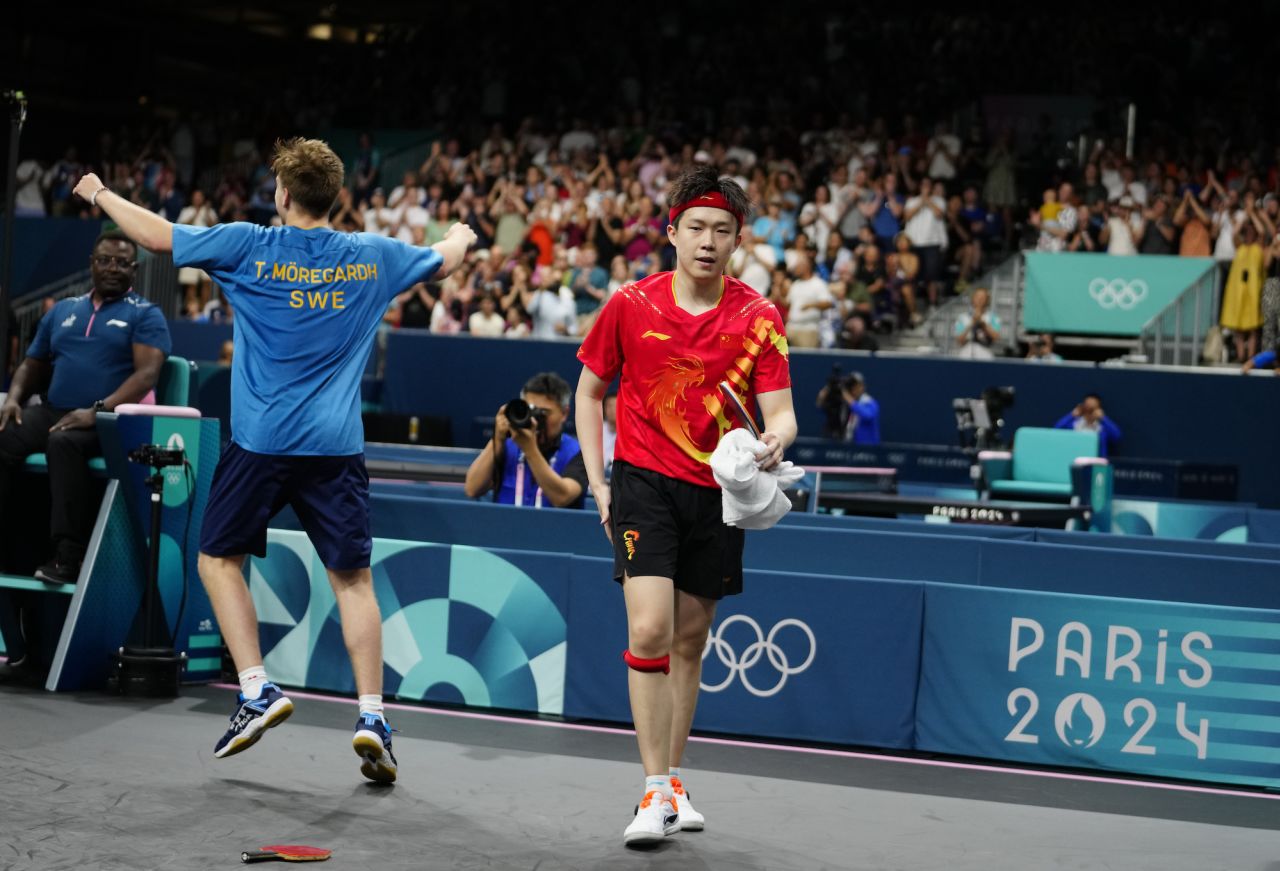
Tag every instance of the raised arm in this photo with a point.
(146, 228)
(453, 247)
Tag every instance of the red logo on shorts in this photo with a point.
(629, 539)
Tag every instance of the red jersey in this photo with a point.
(670, 412)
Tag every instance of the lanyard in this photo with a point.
(537, 492)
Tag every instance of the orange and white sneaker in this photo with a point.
(690, 819)
(657, 816)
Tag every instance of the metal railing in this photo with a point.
(1004, 282)
(1176, 335)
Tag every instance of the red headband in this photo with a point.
(713, 200)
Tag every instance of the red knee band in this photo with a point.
(662, 663)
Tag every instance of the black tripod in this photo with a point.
(152, 668)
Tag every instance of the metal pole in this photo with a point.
(1133, 124)
(18, 114)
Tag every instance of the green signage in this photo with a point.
(1103, 294)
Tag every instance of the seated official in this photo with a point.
(530, 460)
(90, 354)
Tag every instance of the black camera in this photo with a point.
(157, 457)
(521, 415)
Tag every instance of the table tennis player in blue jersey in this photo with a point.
(307, 301)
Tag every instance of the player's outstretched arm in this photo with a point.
(146, 228)
(453, 247)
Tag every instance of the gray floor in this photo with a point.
(96, 782)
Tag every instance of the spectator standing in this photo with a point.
(753, 262)
(1190, 218)
(1242, 297)
(1159, 233)
(943, 152)
(809, 298)
(195, 282)
(926, 226)
(1120, 232)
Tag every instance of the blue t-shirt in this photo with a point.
(307, 307)
(884, 223)
(864, 421)
(91, 349)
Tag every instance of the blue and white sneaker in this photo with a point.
(372, 743)
(252, 718)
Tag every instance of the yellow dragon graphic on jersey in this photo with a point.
(669, 390)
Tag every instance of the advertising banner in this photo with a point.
(808, 657)
(1103, 294)
(1160, 688)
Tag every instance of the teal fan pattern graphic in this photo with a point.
(460, 624)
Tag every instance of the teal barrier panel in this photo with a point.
(1103, 294)
(797, 657)
(460, 624)
(1156, 688)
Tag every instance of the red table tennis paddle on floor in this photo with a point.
(286, 853)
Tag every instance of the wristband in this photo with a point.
(93, 200)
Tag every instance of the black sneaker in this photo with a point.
(55, 571)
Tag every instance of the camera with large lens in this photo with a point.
(521, 415)
(157, 456)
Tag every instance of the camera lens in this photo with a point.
(519, 414)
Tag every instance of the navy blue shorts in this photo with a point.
(330, 495)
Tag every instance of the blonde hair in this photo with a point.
(310, 172)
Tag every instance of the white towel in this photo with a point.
(751, 499)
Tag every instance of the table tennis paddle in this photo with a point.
(733, 402)
(286, 853)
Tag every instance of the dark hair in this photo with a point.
(549, 384)
(115, 236)
(703, 179)
(1093, 396)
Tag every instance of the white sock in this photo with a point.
(251, 681)
(371, 704)
(660, 782)
(675, 773)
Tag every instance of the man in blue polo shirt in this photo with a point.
(90, 354)
(308, 302)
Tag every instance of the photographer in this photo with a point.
(852, 413)
(530, 461)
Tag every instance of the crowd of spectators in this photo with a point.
(859, 228)
(866, 217)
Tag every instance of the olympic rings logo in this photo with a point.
(763, 646)
(1118, 293)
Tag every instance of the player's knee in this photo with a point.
(689, 644)
(650, 639)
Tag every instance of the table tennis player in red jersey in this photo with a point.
(674, 336)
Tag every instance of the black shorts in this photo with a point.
(668, 528)
(330, 495)
(930, 262)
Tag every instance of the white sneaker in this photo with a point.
(690, 819)
(656, 817)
